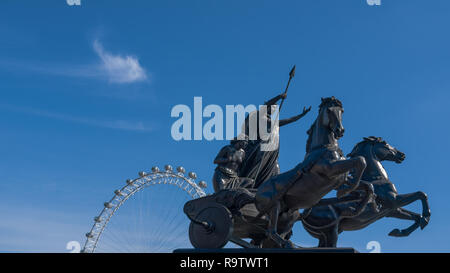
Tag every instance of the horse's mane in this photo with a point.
(366, 140)
(309, 132)
(330, 102)
(326, 102)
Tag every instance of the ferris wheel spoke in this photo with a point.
(178, 229)
(162, 227)
(146, 214)
(111, 239)
(116, 247)
(124, 238)
(175, 223)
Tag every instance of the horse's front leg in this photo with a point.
(357, 165)
(272, 231)
(404, 214)
(400, 200)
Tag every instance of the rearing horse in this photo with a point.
(324, 169)
(326, 222)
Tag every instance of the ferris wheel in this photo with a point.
(146, 215)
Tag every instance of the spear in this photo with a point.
(291, 75)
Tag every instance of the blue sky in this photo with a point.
(86, 94)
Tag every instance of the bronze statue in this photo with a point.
(259, 164)
(268, 213)
(326, 222)
(228, 162)
(254, 200)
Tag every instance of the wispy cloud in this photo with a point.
(120, 69)
(110, 124)
(115, 68)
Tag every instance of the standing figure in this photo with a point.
(228, 162)
(261, 164)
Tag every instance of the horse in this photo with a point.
(323, 169)
(326, 222)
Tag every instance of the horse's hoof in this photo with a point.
(396, 233)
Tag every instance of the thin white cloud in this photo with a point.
(120, 69)
(115, 68)
(110, 124)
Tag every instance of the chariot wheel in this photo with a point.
(216, 228)
(146, 215)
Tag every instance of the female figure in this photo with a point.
(228, 162)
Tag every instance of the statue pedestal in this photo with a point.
(266, 250)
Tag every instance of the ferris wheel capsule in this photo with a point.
(202, 184)
(142, 174)
(168, 168)
(119, 193)
(108, 205)
(97, 219)
(181, 169)
(89, 235)
(192, 175)
(129, 181)
(155, 169)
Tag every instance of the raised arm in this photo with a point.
(294, 118)
(274, 100)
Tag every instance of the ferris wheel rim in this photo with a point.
(187, 184)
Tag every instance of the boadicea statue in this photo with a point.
(253, 200)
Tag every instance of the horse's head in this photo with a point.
(384, 151)
(331, 112)
(379, 149)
